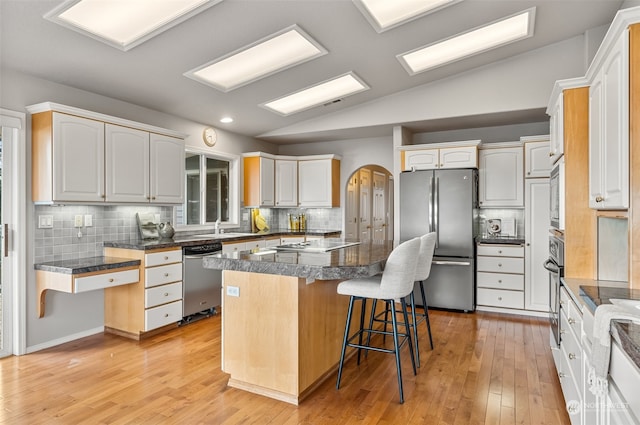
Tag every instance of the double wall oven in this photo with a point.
(555, 266)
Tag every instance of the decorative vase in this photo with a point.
(165, 230)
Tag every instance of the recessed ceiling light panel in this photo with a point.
(275, 53)
(125, 24)
(508, 30)
(386, 14)
(319, 94)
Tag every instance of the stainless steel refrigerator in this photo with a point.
(445, 202)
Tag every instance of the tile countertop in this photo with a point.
(86, 265)
(363, 260)
(180, 240)
(592, 293)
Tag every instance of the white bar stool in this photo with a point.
(396, 282)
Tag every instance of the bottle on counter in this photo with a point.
(303, 221)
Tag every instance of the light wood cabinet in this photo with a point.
(501, 177)
(536, 159)
(286, 180)
(609, 130)
(319, 182)
(536, 249)
(81, 156)
(150, 305)
(259, 181)
(440, 158)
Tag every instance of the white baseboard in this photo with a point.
(68, 338)
(513, 311)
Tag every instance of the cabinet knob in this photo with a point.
(571, 321)
(560, 375)
(500, 252)
(148, 198)
(153, 198)
(550, 153)
(166, 315)
(166, 258)
(499, 264)
(499, 280)
(572, 356)
(166, 275)
(599, 199)
(499, 298)
(103, 196)
(111, 279)
(166, 294)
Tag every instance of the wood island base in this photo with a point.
(281, 336)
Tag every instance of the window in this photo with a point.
(210, 193)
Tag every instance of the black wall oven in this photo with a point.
(555, 266)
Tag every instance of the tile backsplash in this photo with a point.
(317, 218)
(110, 223)
(502, 214)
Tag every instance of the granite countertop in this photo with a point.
(363, 260)
(180, 240)
(86, 265)
(592, 293)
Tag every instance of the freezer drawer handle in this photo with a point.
(452, 263)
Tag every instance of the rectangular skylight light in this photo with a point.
(508, 30)
(277, 52)
(125, 24)
(321, 93)
(387, 14)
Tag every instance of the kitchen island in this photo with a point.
(282, 318)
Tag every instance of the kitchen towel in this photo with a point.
(601, 351)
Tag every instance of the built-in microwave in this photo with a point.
(556, 191)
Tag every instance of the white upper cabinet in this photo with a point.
(127, 164)
(77, 160)
(83, 156)
(536, 159)
(286, 183)
(166, 167)
(556, 129)
(319, 182)
(430, 159)
(609, 129)
(501, 177)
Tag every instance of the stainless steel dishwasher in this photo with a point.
(201, 287)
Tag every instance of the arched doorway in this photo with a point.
(369, 204)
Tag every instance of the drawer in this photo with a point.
(571, 311)
(501, 250)
(513, 282)
(272, 242)
(105, 280)
(164, 257)
(257, 244)
(162, 294)
(166, 314)
(291, 239)
(571, 349)
(500, 264)
(500, 298)
(154, 276)
(625, 375)
(571, 392)
(233, 247)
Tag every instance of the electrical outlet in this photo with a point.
(45, 221)
(88, 220)
(233, 291)
(78, 221)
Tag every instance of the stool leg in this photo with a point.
(372, 317)
(344, 341)
(397, 349)
(415, 326)
(362, 311)
(426, 312)
(386, 320)
(408, 330)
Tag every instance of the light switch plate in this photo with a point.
(45, 221)
(233, 291)
(88, 220)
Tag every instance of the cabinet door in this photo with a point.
(167, 178)
(536, 250)
(609, 131)
(78, 159)
(365, 205)
(318, 181)
(352, 207)
(379, 206)
(267, 182)
(127, 164)
(501, 177)
(463, 157)
(427, 159)
(556, 130)
(536, 159)
(286, 183)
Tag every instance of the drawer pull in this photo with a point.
(499, 298)
(571, 321)
(111, 279)
(166, 294)
(166, 315)
(499, 280)
(500, 252)
(572, 356)
(599, 199)
(166, 258)
(166, 275)
(560, 375)
(499, 264)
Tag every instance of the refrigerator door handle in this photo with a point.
(452, 263)
(431, 204)
(436, 201)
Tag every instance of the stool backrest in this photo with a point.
(400, 270)
(427, 247)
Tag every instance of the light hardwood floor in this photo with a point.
(486, 369)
